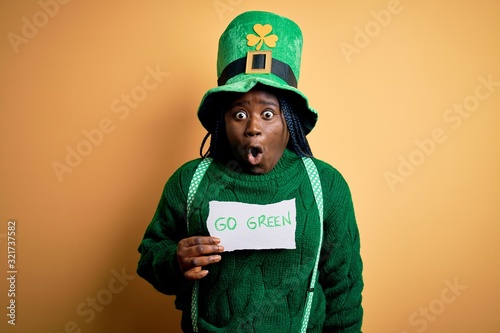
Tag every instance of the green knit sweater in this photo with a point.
(261, 291)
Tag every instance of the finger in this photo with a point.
(197, 262)
(195, 273)
(200, 240)
(201, 250)
(196, 250)
(205, 260)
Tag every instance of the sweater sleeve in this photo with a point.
(158, 249)
(341, 264)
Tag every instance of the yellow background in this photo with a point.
(383, 84)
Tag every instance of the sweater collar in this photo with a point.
(281, 169)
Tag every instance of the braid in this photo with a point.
(214, 143)
(215, 138)
(299, 142)
(203, 145)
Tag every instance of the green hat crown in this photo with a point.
(258, 48)
(260, 43)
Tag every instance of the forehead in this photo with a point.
(256, 96)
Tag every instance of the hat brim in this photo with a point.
(243, 83)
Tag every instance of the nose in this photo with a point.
(253, 126)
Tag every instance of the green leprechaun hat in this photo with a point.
(258, 48)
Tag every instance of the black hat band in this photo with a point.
(258, 63)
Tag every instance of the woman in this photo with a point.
(294, 268)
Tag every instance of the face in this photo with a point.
(256, 131)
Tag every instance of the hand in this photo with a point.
(195, 252)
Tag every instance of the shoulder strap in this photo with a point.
(195, 182)
(193, 187)
(312, 172)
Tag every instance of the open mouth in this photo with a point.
(254, 154)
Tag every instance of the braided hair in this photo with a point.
(298, 142)
(219, 145)
(218, 138)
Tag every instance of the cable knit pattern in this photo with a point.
(261, 291)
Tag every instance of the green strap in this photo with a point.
(312, 172)
(195, 182)
(193, 187)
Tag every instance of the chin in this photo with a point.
(257, 170)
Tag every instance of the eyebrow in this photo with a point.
(261, 101)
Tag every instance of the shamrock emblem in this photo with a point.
(262, 32)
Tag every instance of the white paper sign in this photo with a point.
(243, 226)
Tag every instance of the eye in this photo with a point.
(240, 115)
(268, 114)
